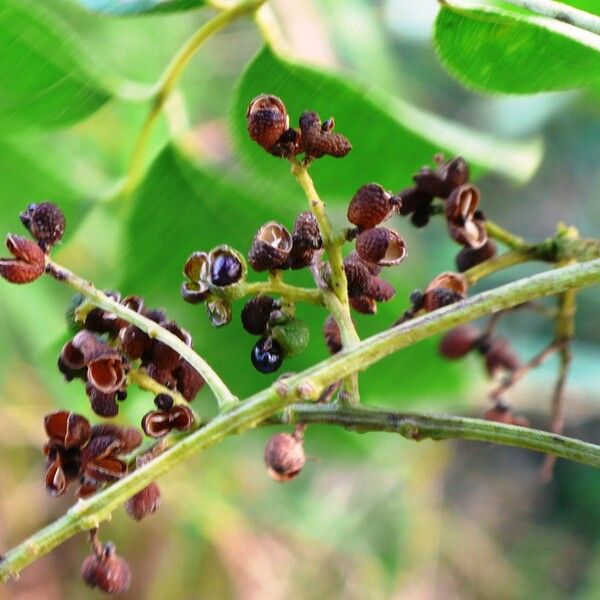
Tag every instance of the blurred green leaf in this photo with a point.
(181, 208)
(139, 7)
(493, 50)
(45, 80)
(391, 139)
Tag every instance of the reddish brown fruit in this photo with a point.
(267, 120)
(317, 141)
(46, 223)
(255, 314)
(459, 341)
(364, 305)
(108, 572)
(357, 275)
(284, 456)
(29, 260)
(462, 203)
(332, 335)
(144, 503)
(380, 290)
(382, 246)
(270, 248)
(370, 206)
(499, 355)
(471, 257)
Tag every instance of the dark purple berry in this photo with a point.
(225, 269)
(266, 355)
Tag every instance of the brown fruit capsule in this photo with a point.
(473, 233)
(284, 456)
(471, 257)
(255, 314)
(271, 247)
(306, 234)
(108, 572)
(430, 182)
(103, 404)
(370, 205)
(46, 223)
(364, 305)
(454, 173)
(382, 246)
(287, 145)
(357, 275)
(500, 356)
(188, 381)
(332, 335)
(134, 342)
(459, 341)
(267, 120)
(106, 371)
(452, 281)
(439, 297)
(462, 204)
(28, 264)
(144, 503)
(196, 267)
(317, 141)
(411, 200)
(380, 290)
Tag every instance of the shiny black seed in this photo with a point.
(266, 355)
(225, 270)
(163, 402)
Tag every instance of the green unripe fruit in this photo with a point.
(292, 335)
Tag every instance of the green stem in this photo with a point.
(512, 241)
(561, 12)
(274, 286)
(440, 427)
(222, 393)
(167, 83)
(145, 382)
(497, 263)
(309, 384)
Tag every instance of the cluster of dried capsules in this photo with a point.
(449, 182)
(499, 359)
(103, 350)
(269, 126)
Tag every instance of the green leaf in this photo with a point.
(139, 7)
(44, 78)
(492, 50)
(391, 139)
(181, 208)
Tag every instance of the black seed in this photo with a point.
(266, 355)
(225, 270)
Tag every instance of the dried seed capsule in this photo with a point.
(306, 234)
(267, 120)
(459, 341)
(500, 356)
(28, 264)
(411, 200)
(226, 266)
(108, 572)
(156, 423)
(106, 371)
(380, 290)
(470, 257)
(196, 267)
(271, 247)
(364, 305)
(188, 381)
(299, 259)
(440, 297)
(218, 310)
(182, 418)
(46, 223)
(317, 143)
(357, 275)
(135, 342)
(255, 314)
(292, 335)
(462, 204)
(332, 335)
(430, 182)
(420, 218)
(284, 456)
(370, 205)
(164, 357)
(194, 293)
(454, 173)
(144, 503)
(452, 281)
(102, 403)
(473, 233)
(382, 246)
(267, 355)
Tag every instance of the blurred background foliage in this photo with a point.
(371, 516)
